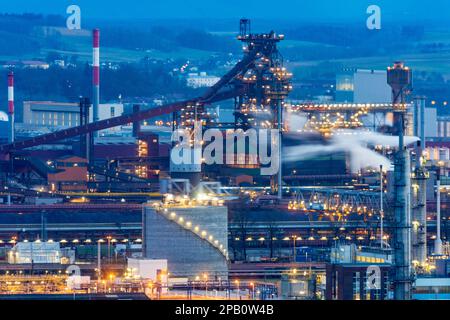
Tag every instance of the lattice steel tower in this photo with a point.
(266, 84)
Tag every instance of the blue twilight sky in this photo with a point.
(306, 10)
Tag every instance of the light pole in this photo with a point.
(252, 293)
(99, 260)
(205, 277)
(381, 206)
(109, 249)
(238, 289)
(295, 245)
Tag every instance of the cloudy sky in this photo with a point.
(306, 10)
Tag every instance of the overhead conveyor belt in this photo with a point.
(214, 94)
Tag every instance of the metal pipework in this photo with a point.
(400, 79)
(280, 150)
(438, 241)
(419, 210)
(381, 207)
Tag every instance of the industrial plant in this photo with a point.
(238, 192)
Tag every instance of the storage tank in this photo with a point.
(4, 128)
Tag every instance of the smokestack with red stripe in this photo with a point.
(11, 103)
(96, 73)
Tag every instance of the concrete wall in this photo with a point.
(370, 86)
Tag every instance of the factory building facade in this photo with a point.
(443, 127)
(52, 114)
(351, 282)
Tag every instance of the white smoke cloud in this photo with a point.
(355, 144)
(374, 138)
(295, 121)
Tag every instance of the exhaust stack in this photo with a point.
(11, 105)
(400, 80)
(96, 73)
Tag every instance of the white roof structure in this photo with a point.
(3, 116)
(35, 252)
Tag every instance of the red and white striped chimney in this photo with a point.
(96, 73)
(11, 93)
(11, 104)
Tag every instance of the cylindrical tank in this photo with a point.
(399, 76)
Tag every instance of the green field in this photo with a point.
(430, 62)
(79, 44)
(419, 61)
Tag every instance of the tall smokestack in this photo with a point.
(11, 104)
(96, 73)
(400, 80)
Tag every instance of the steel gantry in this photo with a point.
(337, 203)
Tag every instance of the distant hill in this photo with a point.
(34, 36)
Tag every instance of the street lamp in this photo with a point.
(109, 248)
(381, 206)
(238, 288)
(197, 279)
(205, 277)
(295, 245)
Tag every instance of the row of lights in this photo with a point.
(338, 106)
(445, 103)
(203, 234)
(75, 241)
(334, 210)
(296, 238)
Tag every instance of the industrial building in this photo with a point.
(432, 289)
(353, 254)
(68, 174)
(443, 127)
(362, 86)
(59, 115)
(359, 273)
(35, 253)
(430, 122)
(350, 282)
(193, 239)
(329, 211)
